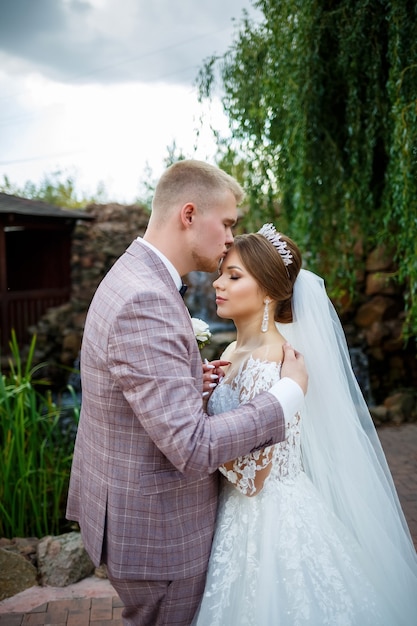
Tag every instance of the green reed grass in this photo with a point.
(35, 454)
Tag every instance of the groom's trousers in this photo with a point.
(159, 603)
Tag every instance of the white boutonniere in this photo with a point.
(201, 332)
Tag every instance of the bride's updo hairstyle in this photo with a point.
(266, 264)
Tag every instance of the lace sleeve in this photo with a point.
(248, 473)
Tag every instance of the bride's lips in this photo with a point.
(219, 300)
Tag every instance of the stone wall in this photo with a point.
(96, 246)
(373, 328)
(379, 320)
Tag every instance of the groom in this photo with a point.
(144, 484)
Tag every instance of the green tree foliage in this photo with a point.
(56, 188)
(322, 101)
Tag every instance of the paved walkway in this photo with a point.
(400, 446)
(70, 612)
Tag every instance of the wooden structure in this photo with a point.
(35, 262)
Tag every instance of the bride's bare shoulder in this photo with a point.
(272, 351)
(229, 351)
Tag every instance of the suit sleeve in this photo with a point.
(153, 357)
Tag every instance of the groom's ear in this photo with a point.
(187, 214)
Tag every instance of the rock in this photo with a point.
(380, 308)
(101, 571)
(400, 406)
(375, 333)
(63, 560)
(380, 282)
(71, 344)
(395, 341)
(25, 546)
(16, 574)
(379, 415)
(379, 260)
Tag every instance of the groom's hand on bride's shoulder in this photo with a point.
(293, 366)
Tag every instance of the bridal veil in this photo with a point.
(341, 451)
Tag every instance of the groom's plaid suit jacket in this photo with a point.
(143, 473)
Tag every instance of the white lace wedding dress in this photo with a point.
(280, 556)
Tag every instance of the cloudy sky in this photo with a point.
(99, 89)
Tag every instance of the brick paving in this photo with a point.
(400, 447)
(72, 612)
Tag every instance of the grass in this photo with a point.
(36, 451)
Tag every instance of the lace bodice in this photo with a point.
(250, 473)
(281, 557)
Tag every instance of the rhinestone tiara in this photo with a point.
(270, 233)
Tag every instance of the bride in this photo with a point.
(309, 531)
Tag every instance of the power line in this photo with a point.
(144, 55)
(40, 158)
(164, 49)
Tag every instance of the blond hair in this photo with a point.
(193, 181)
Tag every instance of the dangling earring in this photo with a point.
(265, 318)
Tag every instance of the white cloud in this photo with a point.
(106, 132)
(102, 87)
